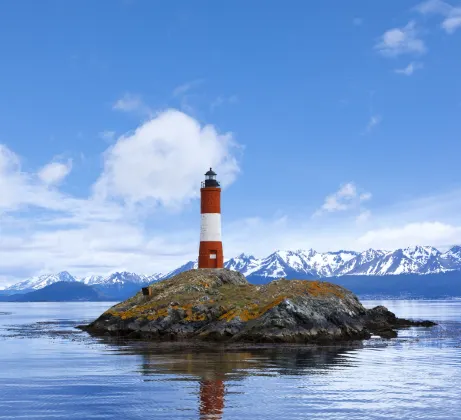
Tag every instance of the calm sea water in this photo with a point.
(50, 370)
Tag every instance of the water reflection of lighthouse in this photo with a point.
(209, 368)
(212, 392)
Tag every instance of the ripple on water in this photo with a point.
(56, 371)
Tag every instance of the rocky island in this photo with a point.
(220, 305)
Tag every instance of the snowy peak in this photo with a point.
(417, 260)
(421, 253)
(311, 264)
(125, 277)
(93, 279)
(275, 265)
(452, 258)
(39, 282)
(453, 254)
(120, 278)
(240, 263)
(456, 250)
(301, 264)
(154, 277)
(328, 264)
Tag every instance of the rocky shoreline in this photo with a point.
(220, 305)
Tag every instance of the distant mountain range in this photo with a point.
(344, 267)
(312, 264)
(61, 291)
(116, 286)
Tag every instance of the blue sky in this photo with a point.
(331, 124)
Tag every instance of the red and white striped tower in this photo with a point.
(210, 253)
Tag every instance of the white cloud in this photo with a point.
(9, 162)
(434, 6)
(346, 198)
(424, 233)
(94, 247)
(410, 69)
(44, 230)
(55, 172)
(130, 102)
(374, 121)
(365, 196)
(163, 160)
(451, 14)
(452, 23)
(399, 41)
(363, 217)
(186, 97)
(20, 189)
(107, 135)
(222, 100)
(431, 220)
(186, 87)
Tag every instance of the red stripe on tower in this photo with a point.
(210, 252)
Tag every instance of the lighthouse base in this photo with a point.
(210, 255)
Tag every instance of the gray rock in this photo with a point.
(220, 305)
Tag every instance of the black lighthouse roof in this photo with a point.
(211, 172)
(210, 179)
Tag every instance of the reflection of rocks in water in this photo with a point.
(302, 361)
(212, 366)
(233, 362)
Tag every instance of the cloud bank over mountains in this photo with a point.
(156, 168)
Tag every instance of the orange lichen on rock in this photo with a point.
(251, 311)
(196, 294)
(195, 317)
(273, 304)
(318, 288)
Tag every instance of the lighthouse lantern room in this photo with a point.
(210, 252)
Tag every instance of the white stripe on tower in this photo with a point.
(210, 227)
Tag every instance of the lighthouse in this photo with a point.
(210, 252)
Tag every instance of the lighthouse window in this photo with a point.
(213, 255)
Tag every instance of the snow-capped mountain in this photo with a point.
(119, 285)
(39, 282)
(241, 262)
(301, 264)
(121, 278)
(412, 260)
(312, 264)
(154, 277)
(452, 258)
(114, 285)
(93, 279)
(188, 266)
